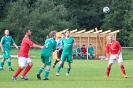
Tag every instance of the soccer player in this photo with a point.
(46, 57)
(59, 44)
(84, 51)
(23, 57)
(113, 53)
(5, 43)
(78, 52)
(91, 51)
(67, 45)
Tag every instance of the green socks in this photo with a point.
(2, 64)
(9, 63)
(40, 70)
(46, 73)
(68, 70)
(59, 67)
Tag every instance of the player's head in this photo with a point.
(78, 46)
(6, 32)
(62, 35)
(67, 33)
(52, 34)
(27, 32)
(110, 37)
(83, 45)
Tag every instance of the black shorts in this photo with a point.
(59, 54)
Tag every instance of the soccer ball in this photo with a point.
(106, 9)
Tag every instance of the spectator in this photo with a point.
(78, 52)
(84, 51)
(91, 51)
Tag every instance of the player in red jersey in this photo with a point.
(23, 57)
(113, 53)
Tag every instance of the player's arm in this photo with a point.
(74, 42)
(1, 42)
(119, 48)
(34, 45)
(107, 52)
(15, 45)
(55, 45)
(12, 41)
(1, 47)
(60, 48)
(38, 46)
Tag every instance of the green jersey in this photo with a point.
(50, 45)
(90, 49)
(6, 41)
(77, 50)
(67, 44)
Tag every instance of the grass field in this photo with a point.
(84, 74)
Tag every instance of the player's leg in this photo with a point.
(22, 63)
(69, 60)
(68, 69)
(59, 67)
(108, 69)
(120, 61)
(47, 72)
(28, 67)
(93, 55)
(80, 54)
(83, 55)
(76, 55)
(110, 62)
(2, 64)
(41, 68)
(63, 59)
(48, 60)
(5, 56)
(9, 64)
(58, 58)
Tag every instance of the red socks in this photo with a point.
(108, 71)
(122, 69)
(17, 72)
(26, 70)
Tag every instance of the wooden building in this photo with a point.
(98, 39)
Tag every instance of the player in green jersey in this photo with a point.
(46, 55)
(90, 51)
(78, 52)
(67, 45)
(5, 43)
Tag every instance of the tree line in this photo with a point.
(42, 16)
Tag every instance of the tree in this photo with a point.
(41, 17)
(117, 19)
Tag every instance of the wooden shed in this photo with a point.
(98, 39)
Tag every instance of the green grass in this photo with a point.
(84, 74)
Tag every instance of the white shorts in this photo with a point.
(22, 61)
(113, 58)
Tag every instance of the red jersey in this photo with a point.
(25, 47)
(84, 50)
(113, 47)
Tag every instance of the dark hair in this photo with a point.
(83, 45)
(62, 33)
(66, 31)
(26, 30)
